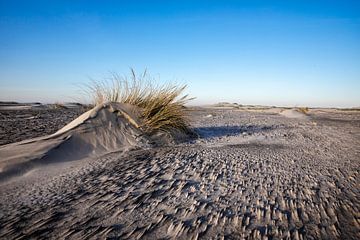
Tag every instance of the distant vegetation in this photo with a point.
(58, 105)
(304, 110)
(162, 106)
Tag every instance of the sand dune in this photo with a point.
(106, 128)
(249, 175)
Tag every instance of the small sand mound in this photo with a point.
(106, 128)
(294, 113)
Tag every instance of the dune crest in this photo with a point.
(106, 128)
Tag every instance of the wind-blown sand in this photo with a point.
(249, 175)
(102, 130)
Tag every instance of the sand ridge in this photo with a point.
(103, 129)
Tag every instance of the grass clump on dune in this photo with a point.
(162, 106)
(304, 110)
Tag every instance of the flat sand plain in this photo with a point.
(21, 124)
(255, 174)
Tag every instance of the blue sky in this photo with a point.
(290, 53)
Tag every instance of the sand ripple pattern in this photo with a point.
(297, 181)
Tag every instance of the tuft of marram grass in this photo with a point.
(162, 106)
(304, 110)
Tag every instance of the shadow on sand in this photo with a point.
(222, 131)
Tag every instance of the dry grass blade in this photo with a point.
(163, 106)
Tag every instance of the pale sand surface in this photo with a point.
(252, 175)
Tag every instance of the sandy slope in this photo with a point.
(251, 175)
(106, 128)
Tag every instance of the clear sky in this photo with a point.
(252, 52)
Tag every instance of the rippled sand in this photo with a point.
(250, 175)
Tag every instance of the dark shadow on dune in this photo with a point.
(225, 131)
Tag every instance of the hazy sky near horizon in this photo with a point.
(294, 53)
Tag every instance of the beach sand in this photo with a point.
(259, 174)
